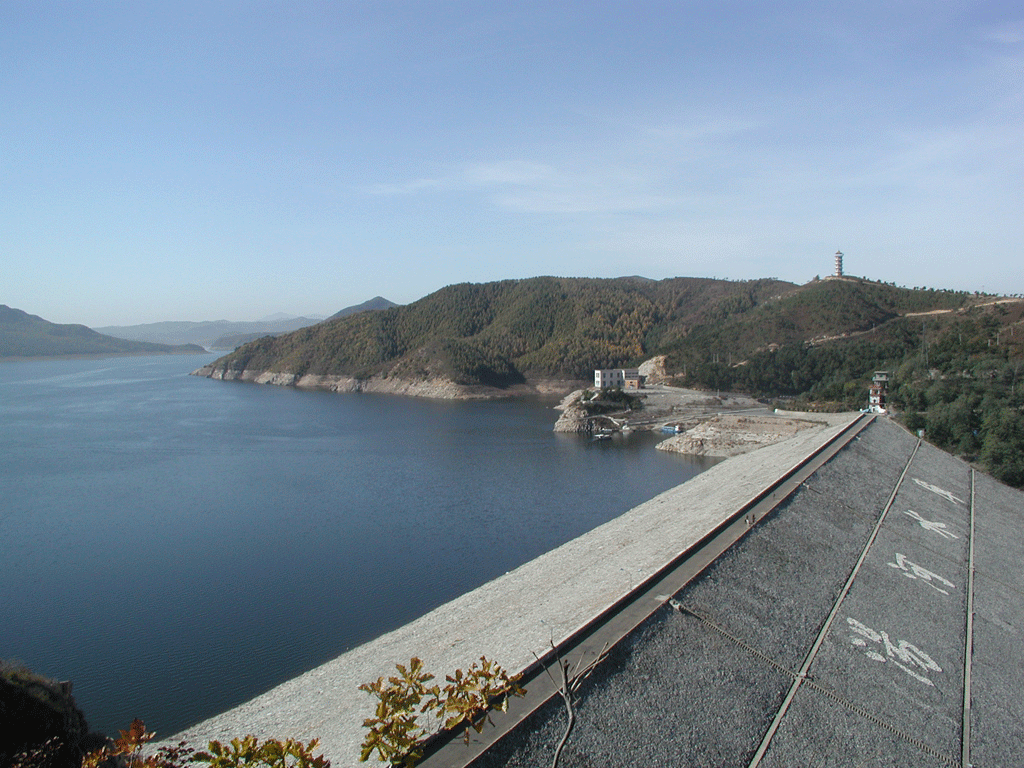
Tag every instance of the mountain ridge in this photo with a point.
(206, 333)
(23, 335)
(496, 334)
(227, 334)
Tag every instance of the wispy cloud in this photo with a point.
(701, 130)
(652, 168)
(534, 187)
(509, 173)
(736, 197)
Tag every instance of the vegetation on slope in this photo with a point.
(35, 709)
(377, 302)
(956, 375)
(498, 333)
(956, 356)
(25, 335)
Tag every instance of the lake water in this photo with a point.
(176, 545)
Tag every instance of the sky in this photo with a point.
(229, 160)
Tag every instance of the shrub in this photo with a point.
(395, 733)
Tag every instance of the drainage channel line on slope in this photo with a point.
(802, 674)
(816, 686)
(965, 754)
(706, 621)
(813, 684)
(590, 642)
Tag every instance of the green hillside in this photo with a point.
(25, 335)
(500, 333)
(956, 367)
(566, 327)
(956, 356)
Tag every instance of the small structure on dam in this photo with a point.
(878, 393)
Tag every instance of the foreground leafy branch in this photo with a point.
(394, 730)
(395, 733)
(247, 752)
(242, 753)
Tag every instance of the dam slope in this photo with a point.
(516, 617)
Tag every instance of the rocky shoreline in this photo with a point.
(705, 424)
(573, 417)
(437, 387)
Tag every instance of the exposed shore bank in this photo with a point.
(436, 387)
(705, 423)
(727, 435)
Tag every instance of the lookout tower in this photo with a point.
(839, 263)
(879, 391)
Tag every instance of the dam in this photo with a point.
(850, 596)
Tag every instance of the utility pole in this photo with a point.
(924, 341)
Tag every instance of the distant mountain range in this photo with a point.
(25, 335)
(226, 334)
(208, 333)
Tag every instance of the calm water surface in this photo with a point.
(175, 545)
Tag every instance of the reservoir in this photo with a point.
(176, 545)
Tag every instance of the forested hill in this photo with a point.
(504, 332)
(25, 335)
(500, 333)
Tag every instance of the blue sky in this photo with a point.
(190, 161)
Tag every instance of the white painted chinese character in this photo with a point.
(928, 525)
(915, 571)
(903, 654)
(935, 489)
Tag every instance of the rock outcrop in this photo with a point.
(653, 370)
(574, 417)
(39, 718)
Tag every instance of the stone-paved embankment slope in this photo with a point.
(519, 614)
(842, 630)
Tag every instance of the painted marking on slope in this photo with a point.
(929, 525)
(915, 571)
(941, 492)
(902, 654)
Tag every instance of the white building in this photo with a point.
(618, 378)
